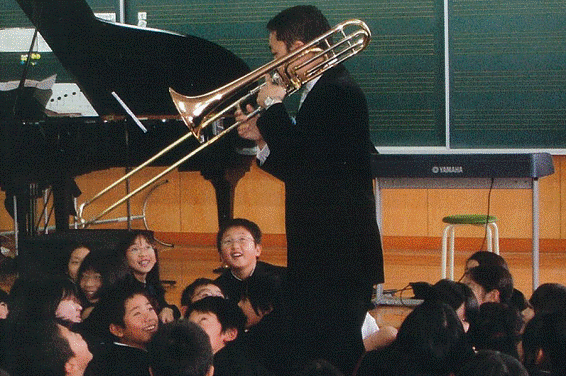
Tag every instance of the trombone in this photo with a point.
(292, 71)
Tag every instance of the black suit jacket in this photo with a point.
(324, 160)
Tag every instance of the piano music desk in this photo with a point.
(463, 171)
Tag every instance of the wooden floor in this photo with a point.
(184, 262)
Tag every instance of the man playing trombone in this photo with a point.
(334, 253)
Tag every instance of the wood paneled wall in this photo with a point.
(186, 204)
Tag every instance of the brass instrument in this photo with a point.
(292, 71)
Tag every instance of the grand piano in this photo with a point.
(139, 65)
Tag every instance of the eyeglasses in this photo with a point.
(225, 243)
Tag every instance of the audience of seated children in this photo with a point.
(224, 321)
(77, 254)
(544, 344)
(431, 341)
(493, 363)
(141, 257)
(248, 333)
(239, 246)
(196, 290)
(181, 348)
(130, 320)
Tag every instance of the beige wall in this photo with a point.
(187, 204)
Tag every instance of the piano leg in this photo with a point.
(64, 189)
(24, 205)
(224, 182)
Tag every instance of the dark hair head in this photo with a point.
(186, 296)
(180, 348)
(549, 297)
(252, 227)
(264, 292)
(498, 328)
(431, 339)
(493, 363)
(299, 23)
(37, 299)
(489, 258)
(455, 294)
(493, 277)
(111, 267)
(227, 311)
(38, 348)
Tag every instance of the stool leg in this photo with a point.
(495, 238)
(489, 238)
(444, 251)
(452, 228)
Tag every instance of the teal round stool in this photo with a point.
(452, 221)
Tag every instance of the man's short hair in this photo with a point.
(180, 348)
(227, 311)
(252, 227)
(299, 23)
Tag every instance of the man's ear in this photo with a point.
(492, 296)
(296, 45)
(116, 330)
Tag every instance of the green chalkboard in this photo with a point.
(401, 72)
(500, 65)
(508, 73)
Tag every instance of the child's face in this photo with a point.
(77, 257)
(69, 310)
(90, 283)
(141, 258)
(208, 321)
(238, 249)
(140, 322)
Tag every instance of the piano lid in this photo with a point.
(139, 64)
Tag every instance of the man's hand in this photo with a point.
(248, 129)
(272, 90)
